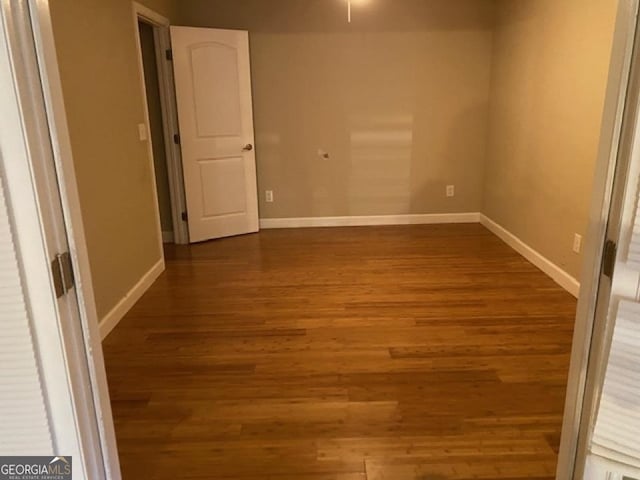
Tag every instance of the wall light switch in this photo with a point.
(142, 132)
(451, 190)
(269, 196)
(577, 243)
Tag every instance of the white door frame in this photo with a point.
(43, 175)
(162, 42)
(625, 280)
(589, 330)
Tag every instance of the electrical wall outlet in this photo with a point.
(577, 243)
(451, 190)
(142, 132)
(269, 196)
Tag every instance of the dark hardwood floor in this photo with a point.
(385, 353)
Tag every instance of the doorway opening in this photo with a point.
(156, 130)
(161, 127)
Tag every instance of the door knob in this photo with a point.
(247, 148)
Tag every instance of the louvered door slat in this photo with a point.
(24, 424)
(617, 431)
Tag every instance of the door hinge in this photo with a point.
(609, 258)
(62, 272)
(185, 217)
(176, 139)
(168, 54)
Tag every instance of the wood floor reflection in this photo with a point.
(378, 353)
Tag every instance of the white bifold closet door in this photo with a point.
(25, 424)
(617, 432)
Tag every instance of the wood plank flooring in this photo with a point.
(382, 353)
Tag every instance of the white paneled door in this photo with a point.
(213, 91)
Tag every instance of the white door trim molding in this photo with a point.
(561, 277)
(173, 158)
(33, 234)
(42, 31)
(117, 313)
(55, 172)
(145, 13)
(373, 220)
(571, 459)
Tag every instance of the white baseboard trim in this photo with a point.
(561, 277)
(378, 220)
(109, 322)
(168, 237)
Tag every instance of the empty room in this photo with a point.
(369, 347)
(347, 239)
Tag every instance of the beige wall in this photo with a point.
(103, 98)
(549, 76)
(399, 99)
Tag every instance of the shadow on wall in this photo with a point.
(324, 16)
